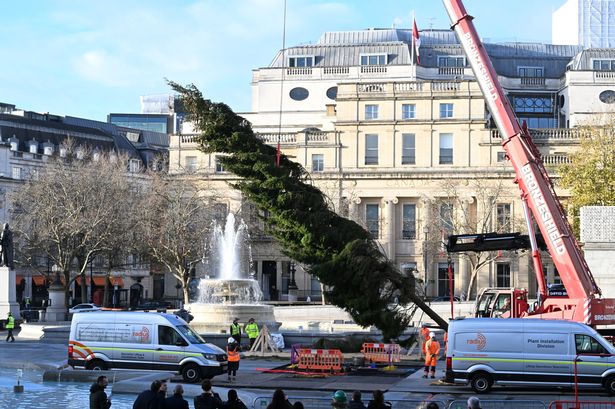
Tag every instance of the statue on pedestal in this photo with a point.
(6, 247)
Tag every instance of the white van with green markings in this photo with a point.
(142, 340)
(524, 351)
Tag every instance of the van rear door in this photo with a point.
(170, 348)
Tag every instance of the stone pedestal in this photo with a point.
(56, 311)
(8, 298)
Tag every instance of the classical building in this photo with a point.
(410, 151)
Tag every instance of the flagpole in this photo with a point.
(412, 35)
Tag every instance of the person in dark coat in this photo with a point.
(356, 402)
(176, 401)
(152, 398)
(208, 399)
(233, 401)
(378, 401)
(98, 396)
(279, 401)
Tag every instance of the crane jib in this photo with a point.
(473, 51)
(535, 192)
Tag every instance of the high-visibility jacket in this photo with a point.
(424, 336)
(251, 330)
(432, 349)
(10, 322)
(233, 353)
(235, 329)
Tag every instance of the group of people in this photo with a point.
(156, 398)
(250, 329)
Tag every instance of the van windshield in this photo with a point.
(190, 335)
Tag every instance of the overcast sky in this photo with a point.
(88, 58)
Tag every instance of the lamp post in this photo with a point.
(425, 262)
(55, 269)
(292, 285)
(91, 282)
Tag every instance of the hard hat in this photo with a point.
(340, 397)
(424, 324)
(230, 340)
(432, 335)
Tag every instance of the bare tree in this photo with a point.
(176, 219)
(74, 209)
(472, 206)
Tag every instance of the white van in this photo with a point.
(142, 340)
(520, 351)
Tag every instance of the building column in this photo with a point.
(389, 226)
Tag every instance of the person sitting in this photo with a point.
(378, 401)
(233, 401)
(356, 402)
(504, 310)
(279, 400)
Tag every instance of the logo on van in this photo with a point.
(480, 341)
(143, 334)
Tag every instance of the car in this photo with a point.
(445, 298)
(84, 308)
(155, 305)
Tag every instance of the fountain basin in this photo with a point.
(217, 318)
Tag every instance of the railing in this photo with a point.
(287, 137)
(371, 87)
(336, 70)
(299, 71)
(190, 138)
(317, 136)
(500, 404)
(604, 75)
(408, 87)
(545, 133)
(310, 402)
(450, 70)
(445, 86)
(533, 81)
(555, 159)
(373, 69)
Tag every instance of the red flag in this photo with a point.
(416, 40)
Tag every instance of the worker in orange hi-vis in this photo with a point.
(432, 350)
(424, 337)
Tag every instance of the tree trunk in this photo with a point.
(186, 294)
(106, 292)
(471, 283)
(84, 289)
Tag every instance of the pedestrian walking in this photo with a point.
(473, 403)
(98, 396)
(152, 398)
(356, 402)
(176, 401)
(251, 329)
(236, 331)
(378, 401)
(232, 351)
(233, 401)
(279, 400)
(340, 400)
(208, 399)
(10, 326)
(432, 349)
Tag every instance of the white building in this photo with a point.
(590, 23)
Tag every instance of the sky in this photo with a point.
(89, 58)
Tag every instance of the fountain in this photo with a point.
(231, 293)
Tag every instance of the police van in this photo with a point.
(520, 351)
(102, 340)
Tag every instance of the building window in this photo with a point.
(446, 217)
(191, 163)
(503, 218)
(134, 165)
(371, 149)
(301, 61)
(408, 150)
(374, 59)
(371, 112)
(299, 93)
(446, 110)
(603, 65)
(501, 157)
(318, 162)
(503, 275)
(451, 61)
(408, 231)
(533, 104)
(408, 111)
(332, 93)
(372, 220)
(219, 166)
(446, 149)
(532, 72)
(16, 172)
(443, 281)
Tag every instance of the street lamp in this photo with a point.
(56, 278)
(292, 285)
(425, 262)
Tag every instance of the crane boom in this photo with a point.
(535, 185)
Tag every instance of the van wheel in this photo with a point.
(97, 365)
(609, 385)
(481, 382)
(191, 373)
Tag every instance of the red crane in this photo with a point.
(583, 302)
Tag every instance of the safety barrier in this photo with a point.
(310, 402)
(320, 359)
(381, 353)
(564, 404)
(500, 404)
